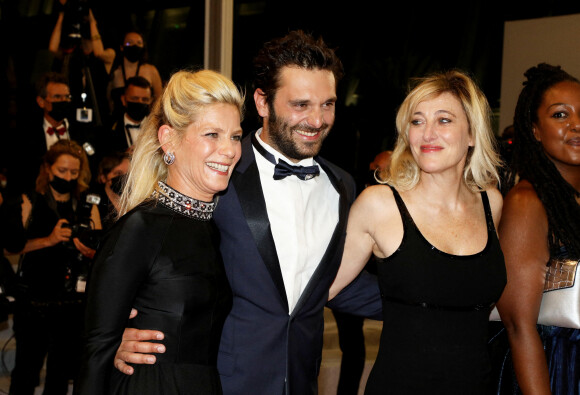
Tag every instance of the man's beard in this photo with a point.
(280, 134)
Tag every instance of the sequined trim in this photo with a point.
(183, 204)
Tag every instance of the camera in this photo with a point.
(76, 22)
(78, 266)
(82, 227)
(84, 233)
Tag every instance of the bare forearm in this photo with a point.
(530, 363)
(37, 244)
(98, 48)
(54, 42)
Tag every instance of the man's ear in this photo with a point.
(123, 100)
(165, 136)
(261, 104)
(40, 102)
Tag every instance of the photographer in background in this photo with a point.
(62, 230)
(43, 126)
(136, 99)
(131, 61)
(82, 57)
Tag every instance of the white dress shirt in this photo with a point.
(51, 139)
(131, 134)
(302, 215)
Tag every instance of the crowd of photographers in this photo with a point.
(59, 193)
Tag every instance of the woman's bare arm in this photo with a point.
(523, 236)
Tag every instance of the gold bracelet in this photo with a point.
(96, 37)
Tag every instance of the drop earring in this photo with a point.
(168, 158)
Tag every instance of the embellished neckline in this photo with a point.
(183, 204)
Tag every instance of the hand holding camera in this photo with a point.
(83, 249)
(61, 232)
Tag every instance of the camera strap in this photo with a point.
(32, 198)
(123, 70)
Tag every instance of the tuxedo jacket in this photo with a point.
(264, 348)
(116, 139)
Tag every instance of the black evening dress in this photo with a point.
(436, 309)
(163, 259)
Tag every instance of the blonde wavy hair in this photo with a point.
(483, 160)
(183, 100)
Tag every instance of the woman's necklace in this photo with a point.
(183, 204)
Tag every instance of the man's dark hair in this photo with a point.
(531, 163)
(47, 78)
(297, 49)
(138, 81)
(109, 162)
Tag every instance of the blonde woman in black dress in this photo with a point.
(162, 256)
(433, 230)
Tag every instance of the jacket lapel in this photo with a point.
(246, 180)
(333, 246)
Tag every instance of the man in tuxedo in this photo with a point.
(282, 223)
(54, 123)
(136, 101)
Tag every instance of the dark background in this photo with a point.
(382, 45)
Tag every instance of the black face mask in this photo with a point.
(60, 110)
(63, 186)
(133, 53)
(137, 111)
(117, 184)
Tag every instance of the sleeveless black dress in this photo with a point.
(168, 266)
(436, 309)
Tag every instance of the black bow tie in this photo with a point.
(283, 169)
(132, 126)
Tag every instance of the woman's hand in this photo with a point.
(83, 249)
(59, 233)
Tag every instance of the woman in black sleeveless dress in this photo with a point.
(59, 226)
(131, 61)
(162, 256)
(433, 230)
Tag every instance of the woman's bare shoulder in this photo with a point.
(523, 197)
(376, 195)
(523, 209)
(374, 204)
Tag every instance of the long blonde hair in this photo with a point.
(483, 160)
(182, 102)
